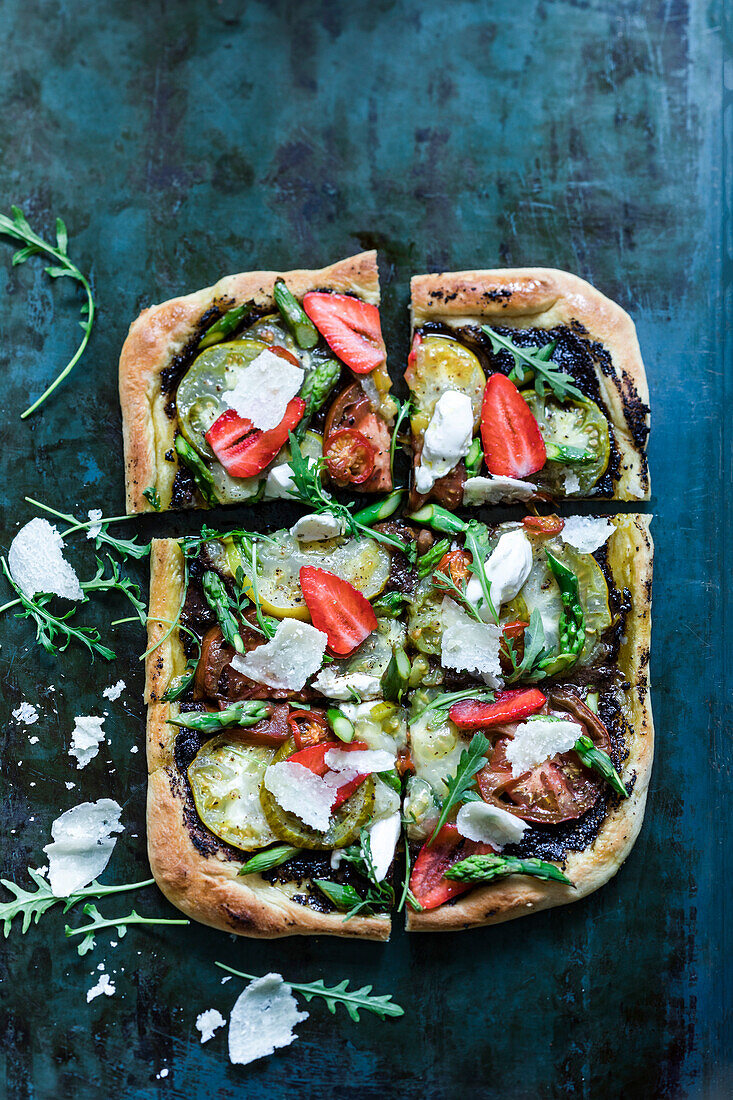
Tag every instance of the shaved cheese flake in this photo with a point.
(264, 390)
(335, 685)
(114, 691)
(262, 1020)
(37, 564)
(537, 740)
(469, 646)
(571, 483)
(494, 489)
(86, 738)
(95, 515)
(506, 570)
(288, 659)
(104, 985)
(490, 824)
(26, 713)
(586, 533)
(360, 761)
(315, 528)
(207, 1023)
(301, 792)
(82, 844)
(383, 837)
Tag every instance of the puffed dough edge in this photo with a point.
(630, 557)
(163, 331)
(207, 888)
(544, 297)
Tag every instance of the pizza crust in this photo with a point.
(163, 331)
(543, 298)
(207, 887)
(630, 556)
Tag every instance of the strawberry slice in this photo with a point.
(428, 883)
(513, 443)
(350, 327)
(244, 450)
(509, 706)
(338, 609)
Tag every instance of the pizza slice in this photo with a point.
(212, 384)
(526, 384)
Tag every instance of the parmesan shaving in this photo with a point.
(37, 564)
(86, 738)
(494, 489)
(586, 533)
(539, 739)
(470, 646)
(301, 792)
(262, 1020)
(288, 659)
(490, 824)
(82, 844)
(360, 761)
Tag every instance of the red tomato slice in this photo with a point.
(308, 727)
(544, 525)
(349, 457)
(558, 790)
(510, 706)
(350, 327)
(428, 883)
(338, 609)
(513, 443)
(513, 632)
(244, 450)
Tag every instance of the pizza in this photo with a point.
(527, 384)
(311, 690)
(213, 384)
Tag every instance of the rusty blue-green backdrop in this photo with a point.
(182, 141)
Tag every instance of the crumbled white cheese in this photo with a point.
(25, 713)
(383, 837)
(69, 786)
(263, 391)
(335, 684)
(469, 646)
(104, 985)
(494, 489)
(571, 483)
(114, 691)
(207, 1023)
(163, 1073)
(288, 659)
(586, 533)
(262, 1020)
(447, 439)
(95, 514)
(490, 824)
(33, 740)
(37, 563)
(537, 740)
(86, 738)
(280, 482)
(360, 761)
(315, 528)
(506, 570)
(301, 792)
(82, 844)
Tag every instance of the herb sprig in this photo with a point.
(545, 373)
(126, 548)
(98, 923)
(446, 700)
(470, 763)
(30, 905)
(379, 895)
(404, 409)
(353, 1000)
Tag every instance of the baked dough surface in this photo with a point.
(163, 331)
(540, 297)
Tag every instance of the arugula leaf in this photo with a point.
(31, 905)
(446, 700)
(389, 606)
(546, 373)
(530, 668)
(354, 1001)
(124, 547)
(18, 229)
(488, 867)
(404, 409)
(98, 924)
(151, 495)
(471, 762)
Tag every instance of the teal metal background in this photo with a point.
(186, 140)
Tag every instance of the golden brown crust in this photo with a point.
(163, 331)
(207, 887)
(630, 557)
(543, 298)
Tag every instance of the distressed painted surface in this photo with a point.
(183, 141)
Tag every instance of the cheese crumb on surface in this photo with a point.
(383, 837)
(82, 844)
(262, 1020)
(360, 761)
(104, 985)
(95, 514)
(315, 528)
(447, 439)
(37, 564)
(264, 389)
(538, 739)
(207, 1023)
(288, 659)
(26, 713)
(494, 489)
(280, 484)
(571, 482)
(586, 533)
(335, 685)
(490, 824)
(32, 740)
(114, 691)
(469, 646)
(86, 738)
(506, 569)
(301, 792)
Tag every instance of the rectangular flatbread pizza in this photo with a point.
(308, 691)
(527, 384)
(213, 383)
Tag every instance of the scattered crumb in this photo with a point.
(163, 1073)
(86, 738)
(32, 740)
(104, 985)
(114, 691)
(95, 514)
(26, 713)
(207, 1022)
(70, 786)
(134, 748)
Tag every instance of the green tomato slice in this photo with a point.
(225, 778)
(346, 824)
(443, 364)
(569, 423)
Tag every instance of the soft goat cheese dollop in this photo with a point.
(506, 570)
(447, 439)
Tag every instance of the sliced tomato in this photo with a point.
(349, 457)
(428, 883)
(351, 328)
(338, 609)
(509, 706)
(278, 349)
(352, 409)
(308, 727)
(456, 565)
(313, 758)
(513, 443)
(544, 525)
(512, 632)
(273, 730)
(412, 357)
(244, 450)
